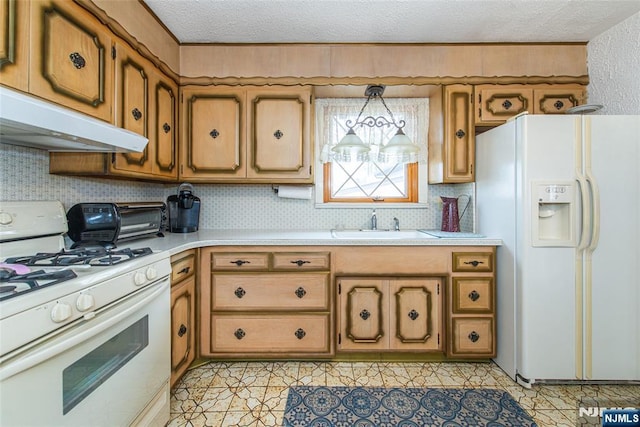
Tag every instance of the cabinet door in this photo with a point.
(415, 316)
(363, 314)
(182, 327)
(459, 134)
(14, 48)
(213, 134)
(279, 144)
(495, 103)
(132, 107)
(556, 101)
(71, 61)
(164, 125)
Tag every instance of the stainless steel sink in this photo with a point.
(380, 234)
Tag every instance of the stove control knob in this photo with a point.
(139, 278)
(60, 312)
(85, 302)
(151, 273)
(5, 218)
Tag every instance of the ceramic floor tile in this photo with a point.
(275, 398)
(271, 418)
(550, 418)
(367, 375)
(230, 376)
(247, 399)
(198, 377)
(255, 375)
(339, 374)
(240, 419)
(395, 375)
(216, 399)
(185, 400)
(529, 399)
(312, 373)
(283, 374)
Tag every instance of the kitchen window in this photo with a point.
(370, 180)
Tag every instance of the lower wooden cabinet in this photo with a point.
(266, 303)
(183, 317)
(390, 314)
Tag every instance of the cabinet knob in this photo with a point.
(184, 270)
(240, 262)
(300, 292)
(182, 330)
(474, 263)
(413, 315)
(77, 60)
(364, 314)
(300, 262)
(473, 336)
(239, 333)
(474, 295)
(460, 133)
(558, 104)
(137, 115)
(507, 104)
(278, 134)
(214, 133)
(166, 128)
(300, 333)
(240, 292)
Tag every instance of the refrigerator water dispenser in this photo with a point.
(553, 214)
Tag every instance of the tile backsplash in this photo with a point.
(24, 176)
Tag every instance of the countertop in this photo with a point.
(174, 243)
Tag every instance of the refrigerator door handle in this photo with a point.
(585, 198)
(594, 212)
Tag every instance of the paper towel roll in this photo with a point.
(295, 192)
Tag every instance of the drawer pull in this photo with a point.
(300, 262)
(239, 292)
(300, 333)
(182, 330)
(240, 262)
(278, 134)
(364, 314)
(166, 128)
(474, 295)
(137, 114)
(239, 333)
(413, 315)
(184, 270)
(474, 263)
(473, 336)
(300, 292)
(214, 134)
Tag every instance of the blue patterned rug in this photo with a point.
(401, 407)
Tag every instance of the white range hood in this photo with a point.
(29, 121)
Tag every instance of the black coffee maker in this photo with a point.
(184, 210)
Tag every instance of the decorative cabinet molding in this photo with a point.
(270, 303)
(70, 58)
(183, 307)
(451, 135)
(246, 134)
(14, 47)
(389, 314)
(497, 103)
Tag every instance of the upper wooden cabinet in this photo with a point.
(146, 103)
(451, 135)
(14, 47)
(70, 58)
(246, 134)
(497, 103)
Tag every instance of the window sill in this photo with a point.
(369, 205)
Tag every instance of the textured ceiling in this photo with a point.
(389, 21)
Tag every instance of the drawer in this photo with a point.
(183, 265)
(240, 261)
(244, 333)
(472, 295)
(472, 336)
(301, 261)
(473, 261)
(270, 291)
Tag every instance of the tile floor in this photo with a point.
(254, 394)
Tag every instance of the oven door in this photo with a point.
(103, 372)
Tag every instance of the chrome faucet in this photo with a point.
(374, 221)
(396, 224)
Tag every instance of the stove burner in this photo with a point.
(33, 281)
(96, 256)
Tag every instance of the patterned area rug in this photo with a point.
(401, 407)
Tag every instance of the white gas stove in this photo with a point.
(59, 306)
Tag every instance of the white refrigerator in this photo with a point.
(563, 194)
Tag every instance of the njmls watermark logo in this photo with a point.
(594, 411)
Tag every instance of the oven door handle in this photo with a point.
(109, 316)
